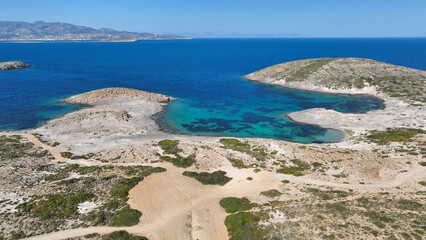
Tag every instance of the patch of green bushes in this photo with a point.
(126, 217)
(214, 178)
(233, 204)
(122, 188)
(180, 161)
(244, 226)
(170, 146)
(54, 206)
(237, 163)
(122, 235)
(271, 193)
(327, 194)
(394, 135)
(295, 170)
(259, 153)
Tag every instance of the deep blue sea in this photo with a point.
(205, 74)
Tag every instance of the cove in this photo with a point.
(204, 74)
(247, 109)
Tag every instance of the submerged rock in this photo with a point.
(13, 65)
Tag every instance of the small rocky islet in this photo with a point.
(13, 65)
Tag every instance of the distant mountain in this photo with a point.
(57, 31)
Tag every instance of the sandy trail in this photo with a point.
(55, 151)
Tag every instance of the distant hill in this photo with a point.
(57, 31)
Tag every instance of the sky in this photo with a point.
(232, 18)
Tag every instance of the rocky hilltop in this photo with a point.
(106, 95)
(12, 65)
(346, 75)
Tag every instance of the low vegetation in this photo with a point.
(180, 161)
(244, 226)
(122, 235)
(54, 206)
(170, 147)
(394, 135)
(237, 163)
(257, 152)
(13, 147)
(233, 204)
(126, 217)
(214, 178)
(296, 169)
(271, 193)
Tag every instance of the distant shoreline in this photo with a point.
(89, 41)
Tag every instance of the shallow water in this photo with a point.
(205, 74)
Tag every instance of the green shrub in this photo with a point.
(295, 170)
(170, 146)
(271, 193)
(122, 235)
(237, 163)
(256, 152)
(233, 204)
(180, 161)
(126, 217)
(394, 135)
(244, 226)
(214, 178)
(409, 204)
(327, 194)
(55, 206)
(66, 154)
(55, 177)
(122, 188)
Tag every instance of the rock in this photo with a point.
(13, 65)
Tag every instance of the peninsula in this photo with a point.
(107, 171)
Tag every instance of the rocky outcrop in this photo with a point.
(115, 113)
(346, 75)
(12, 65)
(106, 95)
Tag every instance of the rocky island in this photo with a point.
(12, 65)
(107, 171)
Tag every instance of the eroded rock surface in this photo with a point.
(13, 65)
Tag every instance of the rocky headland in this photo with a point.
(13, 65)
(110, 113)
(401, 88)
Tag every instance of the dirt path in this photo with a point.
(55, 151)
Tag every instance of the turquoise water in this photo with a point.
(205, 74)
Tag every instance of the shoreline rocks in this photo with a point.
(12, 65)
